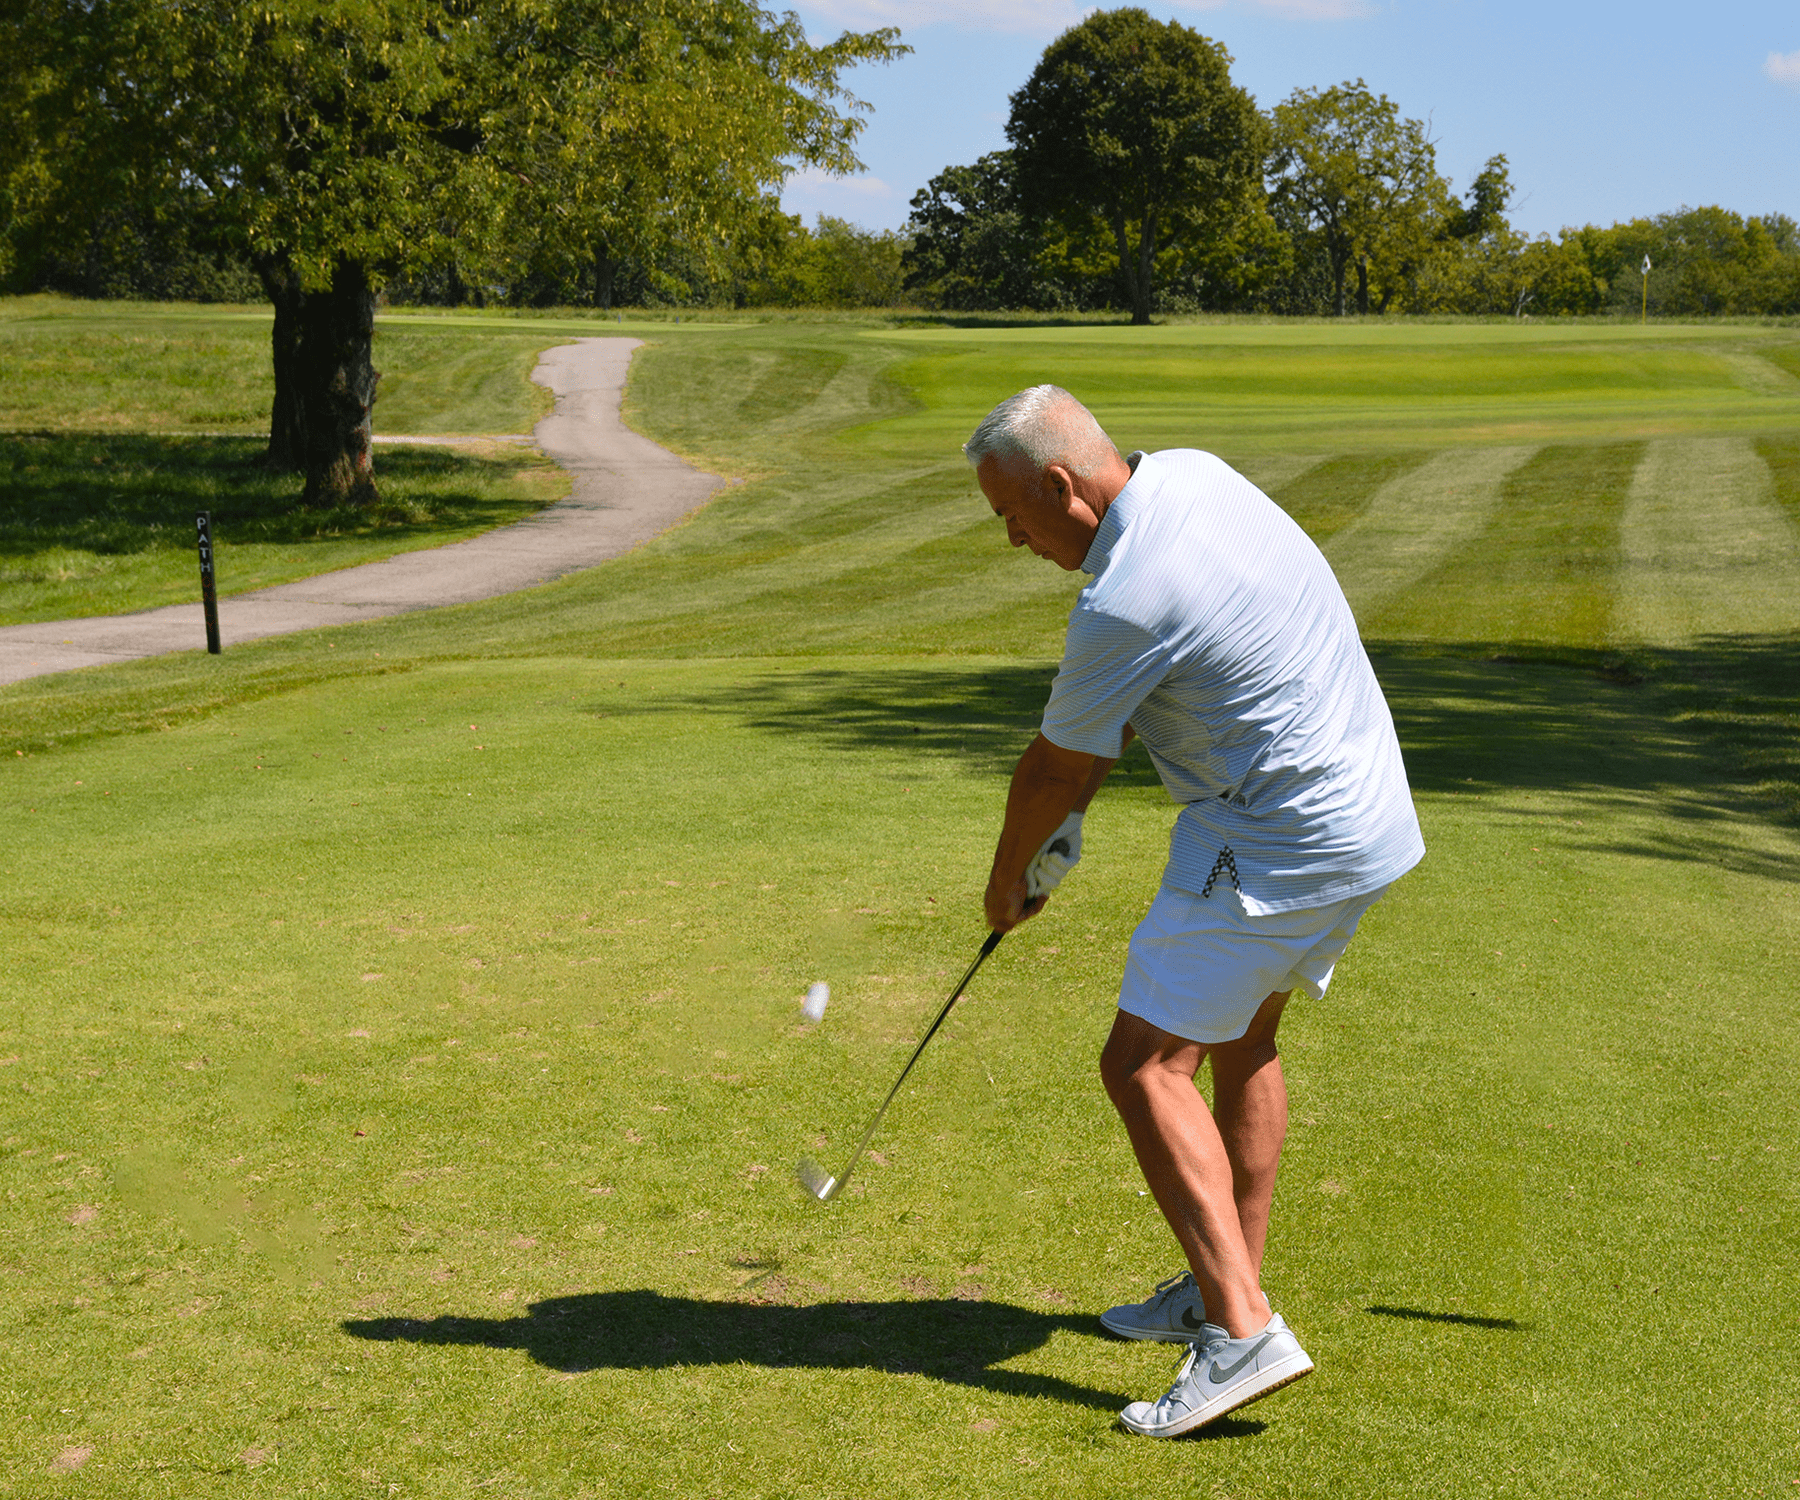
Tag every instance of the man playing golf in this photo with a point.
(1214, 631)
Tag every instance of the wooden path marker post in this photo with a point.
(209, 594)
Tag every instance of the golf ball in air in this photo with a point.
(816, 997)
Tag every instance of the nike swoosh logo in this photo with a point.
(1188, 1320)
(1219, 1377)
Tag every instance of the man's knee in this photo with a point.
(1235, 1065)
(1118, 1067)
(1136, 1054)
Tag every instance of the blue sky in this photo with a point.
(1604, 110)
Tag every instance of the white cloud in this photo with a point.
(811, 181)
(1040, 17)
(1784, 67)
(1043, 17)
(1318, 10)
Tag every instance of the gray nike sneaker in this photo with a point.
(1219, 1375)
(1174, 1313)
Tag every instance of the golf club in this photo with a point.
(814, 1178)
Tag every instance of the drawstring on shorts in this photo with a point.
(1226, 861)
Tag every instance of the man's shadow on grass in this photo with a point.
(954, 1341)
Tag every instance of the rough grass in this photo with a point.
(97, 525)
(407, 1070)
(103, 465)
(72, 366)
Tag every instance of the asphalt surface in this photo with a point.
(626, 489)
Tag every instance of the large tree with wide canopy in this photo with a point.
(339, 143)
(1134, 124)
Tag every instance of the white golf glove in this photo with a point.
(1059, 855)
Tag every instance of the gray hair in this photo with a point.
(1043, 425)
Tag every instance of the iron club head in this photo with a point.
(815, 1179)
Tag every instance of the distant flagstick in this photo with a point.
(1644, 313)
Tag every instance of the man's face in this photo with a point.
(1041, 511)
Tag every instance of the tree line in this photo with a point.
(1139, 176)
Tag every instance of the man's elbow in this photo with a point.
(1052, 764)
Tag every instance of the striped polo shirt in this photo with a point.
(1214, 626)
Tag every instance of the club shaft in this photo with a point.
(993, 942)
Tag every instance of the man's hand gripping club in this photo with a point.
(1051, 788)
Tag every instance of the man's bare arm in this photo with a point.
(1048, 784)
(1102, 769)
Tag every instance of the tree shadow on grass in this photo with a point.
(118, 494)
(979, 714)
(957, 1342)
(1702, 737)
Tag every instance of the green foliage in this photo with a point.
(336, 147)
(313, 135)
(398, 134)
(971, 245)
(1349, 171)
(159, 255)
(836, 265)
(1485, 212)
(1704, 262)
(1136, 123)
(642, 130)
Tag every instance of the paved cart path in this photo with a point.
(626, 490)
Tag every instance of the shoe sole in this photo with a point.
(1294, 1367)
(1151, 1335)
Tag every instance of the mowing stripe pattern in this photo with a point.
(1417, 520)
(1705, 548)
(1541, 571)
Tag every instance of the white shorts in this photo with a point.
(1199, 967)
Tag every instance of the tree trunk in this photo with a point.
(338, 330)
(286, 452)
(605, 270)
(1340, 263)
(1362, 284)
(1127, 269)
(1146, 271)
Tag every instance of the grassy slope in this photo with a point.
(569, 870)
(99, 525)
(119, 420)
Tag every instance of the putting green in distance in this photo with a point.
(1254, 386)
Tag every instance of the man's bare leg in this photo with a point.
(1250, 1107)
(1149, 1075)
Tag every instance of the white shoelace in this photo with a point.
(1187, 1363)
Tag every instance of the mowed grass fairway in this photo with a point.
(402, 1050)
